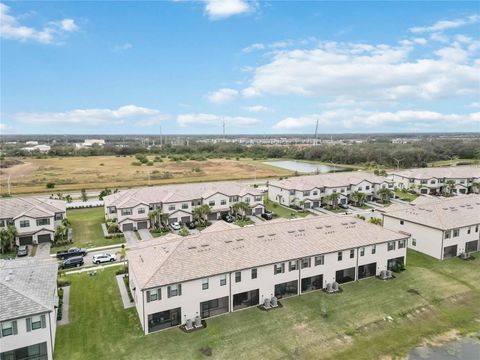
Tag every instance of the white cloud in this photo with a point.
(257, 108)
(222, 96)
(220, 9)
(95, 117)
(122, 47)
(443, 25)
(185, 120)
(363, 120)
(475, 104)
(363, 72)
(11, 28)
(453, 54)
(253, 47)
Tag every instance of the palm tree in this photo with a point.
(384, 194)
(153, 216)
(122, 254)
(59, 233)
(476, 187)
(163, 218)
(241, 208)
(201, 213)
(450, 186)
(7, 237)
(333, 198)
(358, 198)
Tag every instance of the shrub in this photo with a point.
(150, 163)
(50, 185)
(136, 163)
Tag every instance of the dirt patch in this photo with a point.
(440, 339)
(4, 164)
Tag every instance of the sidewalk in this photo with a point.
(106, 247)
(65, 306)
(94, 268)
(124, 292)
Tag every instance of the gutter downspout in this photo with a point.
(356, 267)
(299, 276)
(441, 250)
(143, 310)
(50, 328)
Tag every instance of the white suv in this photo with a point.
(100, 258)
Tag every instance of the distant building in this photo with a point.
(31, 143)
(39, 148)
(89, 143)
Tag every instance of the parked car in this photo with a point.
(191, 225)
(72, 262)
(343, 206)
(72, 252)
(267, 215)
(101, 258)
(228, 218)
(175, 225)
(22, 250)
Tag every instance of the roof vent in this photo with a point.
(228, 241)
(192, 247)
(260, 236)
(240, 239)
(204, 245)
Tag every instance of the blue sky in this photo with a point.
(262, 67)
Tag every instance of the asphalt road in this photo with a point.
(88, 259)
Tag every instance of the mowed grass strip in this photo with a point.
(87, 229)
(101, 327)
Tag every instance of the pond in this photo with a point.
(304, 167)
(466, 348)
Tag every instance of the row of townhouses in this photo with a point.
(175, 279)
(441, 228)
(131, 207)
(35, 219)
(28, 316)
(312, 191)
(435, 180)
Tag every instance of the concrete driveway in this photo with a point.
(145, 234)
(256, 219)
(43, 250)
(130, 238)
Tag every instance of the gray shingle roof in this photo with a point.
(27, 287)
(12, 208)
(451, 172)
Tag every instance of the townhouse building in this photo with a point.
(35, 219)
(131, 207)
(312, 190)
(28, 299)
(174, 280)
(436, 180)
(441, 228)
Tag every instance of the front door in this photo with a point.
(175, 317)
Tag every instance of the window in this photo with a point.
(391, 245)
(154, 295)
(293, 265)
(2, 223)
(306, 193)
(126, 212)
(171, 207)
(211, 203)
(292, 192)
(24, 223)
(141, 211)
(238, 276)
(352, 254)
(319, 260)
(254, 273)
(223, 202)
(59, 216)
(174, 290)
(476, 228)
(374, 249)
(205, 284)
(279, 268)
(401, 244)
(456, 232)
(340, 256)
(306, 262)
(469, 230)
(447, 234)
(367, 187)
(223, 280)
(247, 200)
(258, 198)
(401, 222)
(34, 323)
(41, 222)
(184, 205)
(414, 242)
(315, 193)
(342, 190)
(362, 251)
(9, 328)
(233, 198)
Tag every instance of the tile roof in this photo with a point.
(167, 261)
(176, 193)
(12, 208)
(440, 213)
(27, 287)
(309, 182)
(452, 172)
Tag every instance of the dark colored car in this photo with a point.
(72, 252)
(343, 206)
(267, 215)
(228, 218)
(191, 225)
(22, 250)
(72, 262)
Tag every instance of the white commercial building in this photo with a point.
(35, 219)
(440, 228)
(312, 190)
(87, 143)
(39, 148)
(174, 279)
(435, 180)
(131, 207)
(28, 303)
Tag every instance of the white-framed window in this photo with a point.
(258, 197)
(374, 249)
(126, 212)
(223, 202)
(141, 210)
(456, 232)
(174, 290)
(278, 268)
(447, 234)
(293, 265)
(171, 207)
(352, 254)
(24, 223)
(247, 199)
(306, 262)
(401, 244)
(402, 222)
(35, 323)
(340, 255)
(223, 280)
(414, 242)
(319, 260)
(391, 246)
(254, 273)
(2, 223)
(362, 251)
(8, 328)
(41, 222)
(238, 276)
(211, 203)
(205, 284)
(184, 205)
(154, 295)
(306, 193)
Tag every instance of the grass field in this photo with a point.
(98, 172)
(449, 293)
(453, 162)
(405, 195)
(87, 229)
(281, 211)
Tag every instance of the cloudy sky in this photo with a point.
(260, 67)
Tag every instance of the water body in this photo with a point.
(467, 348)
(304, 167)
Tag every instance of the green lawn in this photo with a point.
(87, 229)
(282, 211)
(353, 329)
(405, 195)
(245, 222)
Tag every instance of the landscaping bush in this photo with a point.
(50, 185)
(136, 163)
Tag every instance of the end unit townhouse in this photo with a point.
(28, 299)
(438, 180)
(178, 278)
(441, 228)
(312, 190)
(34, 218)
(131, 207)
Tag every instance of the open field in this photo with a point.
(87, 229)
(453, 162)
(449, 293)
(98, 172)
(283, 212)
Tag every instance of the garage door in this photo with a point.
(25, 240)
(212, 216)
(44, 238)
(450, 251)
(258, 211)
(185, 219)
(142, 225)
(127, 227)
(471, 246)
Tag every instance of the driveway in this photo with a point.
(145, 234)
(130, 238)
(43, 250)
(256, 219)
